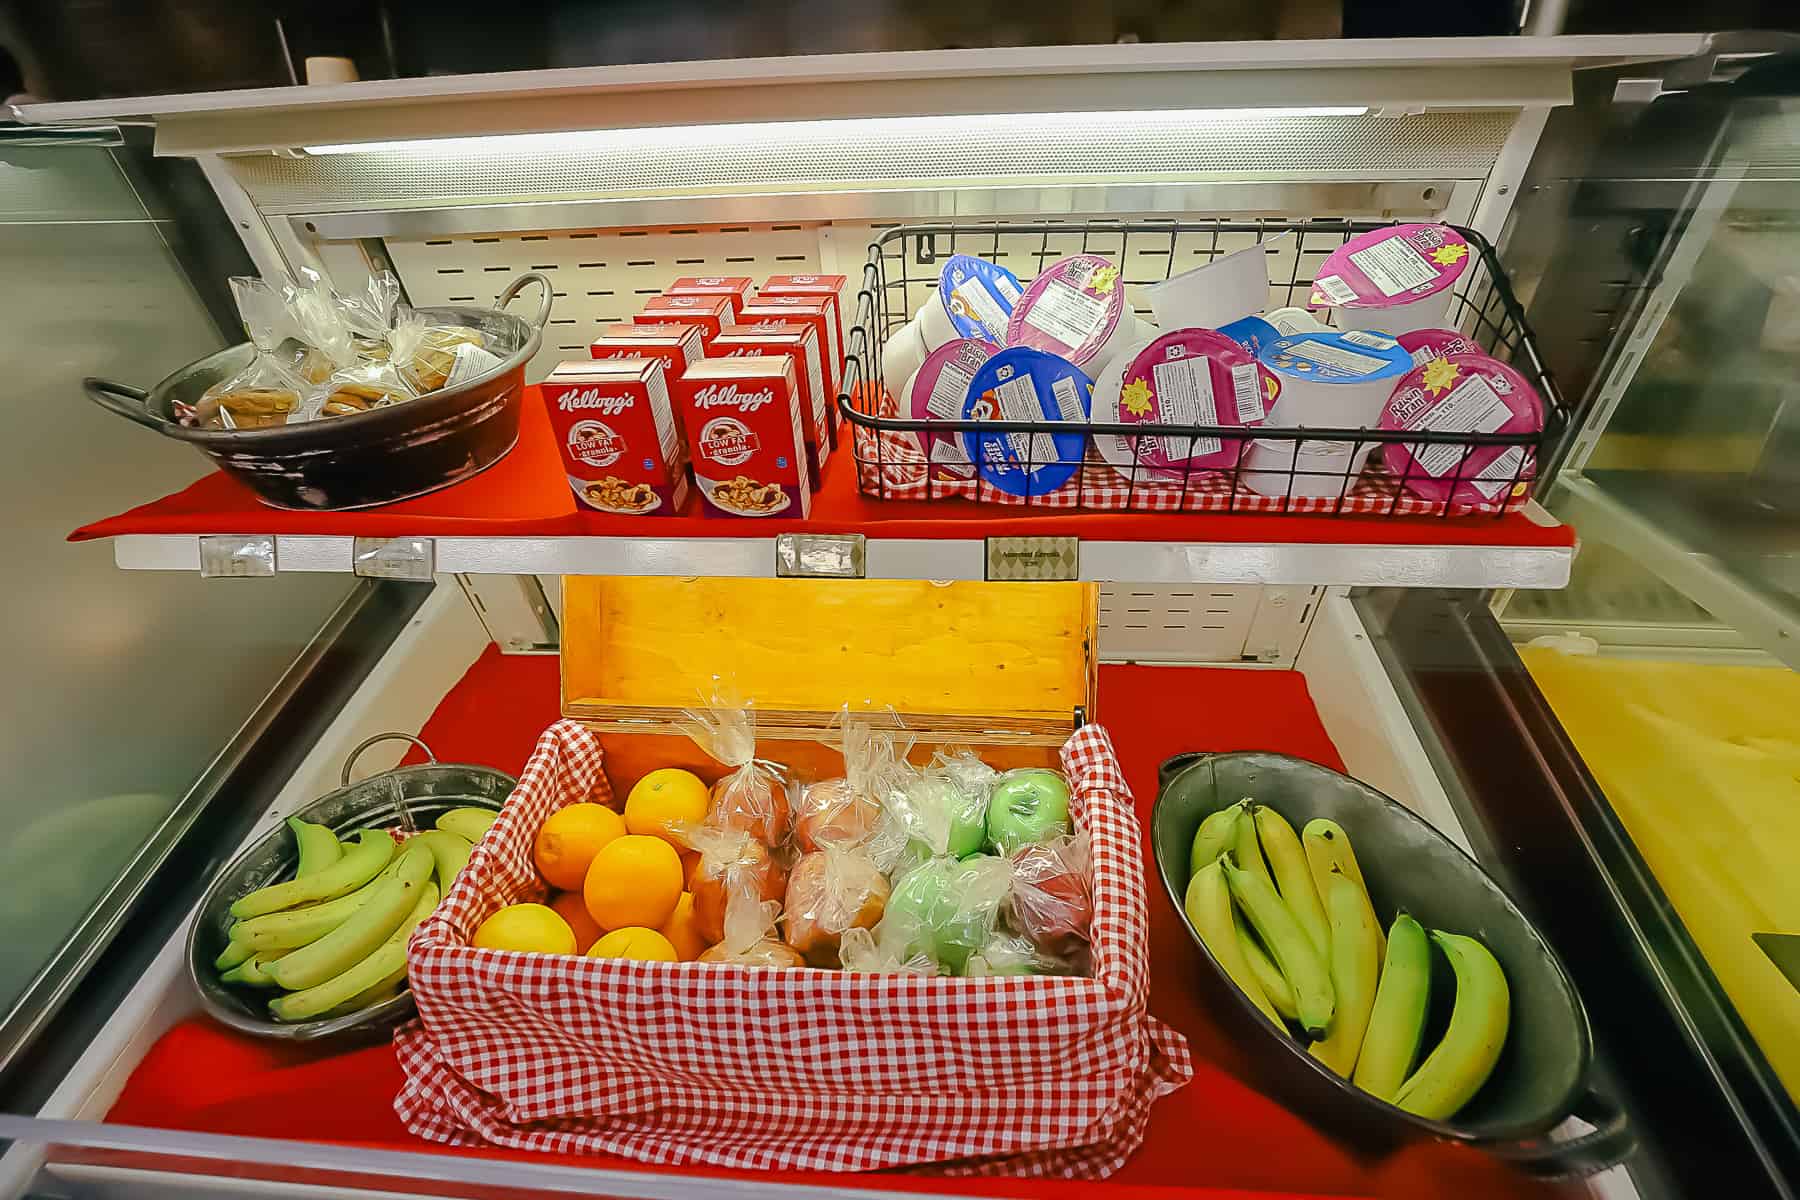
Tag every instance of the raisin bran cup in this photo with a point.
(1396, 279)
(1076, 311)
(1463, 393)
(939, 391)
(1184, 377)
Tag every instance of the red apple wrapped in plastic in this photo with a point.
(1052, 896)
(753, 795)
(846, 811)
(750, 939)
(731, 863)
(829, 893)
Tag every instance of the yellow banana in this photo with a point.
(1452, 1074)
(1216, 835)
(468, 823)
(253, 972)
(1355, 968)
(233, 954)
(1287, 863)
(1287, 944)
(382, 967)
(450, 851)
(318, 846)
(360, 863)
(362, 932)
(1327, 846)
(1208, 906)
(1245, 851)
(297, 927)
(1397, 1023)
(1274, 983)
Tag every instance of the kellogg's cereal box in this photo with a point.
(823, 286)
(734, 288)
(620, 442)
(820, 310)
(799, 341)
(742, 418)
(710, 313)
(676, 345)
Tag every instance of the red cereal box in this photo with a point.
(743, 427)
(710, 313)
(735, 288)
(820, 310)
(620, 441)
(676, 345)
(829, 286)
(800, 341)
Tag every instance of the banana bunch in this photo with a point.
(1288, 919)
(333, 938)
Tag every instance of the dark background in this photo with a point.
(84, 49)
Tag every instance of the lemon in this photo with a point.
(534, 928)
(634, 941)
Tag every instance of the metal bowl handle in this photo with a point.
(129, 402)
(344, 775)
(1610, 1143)
(518, 285)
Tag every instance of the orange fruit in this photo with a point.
(568, 840)
(534, 928)
(680, 931)
(634, 941)
(573, 909)
(663, 799)
(634, 880)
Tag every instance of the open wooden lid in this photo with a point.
(990, 662)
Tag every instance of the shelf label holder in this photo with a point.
(237, 555)
(410, 558)
(1034, 558)
(821, 556)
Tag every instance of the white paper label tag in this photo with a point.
(1334, 289)
(1246, 392)
(1347, 361)
(1184, 396)
(1374, 341)
(1498, 475)
(472, 362)
(949, 391)
(1393, 266)
(980, 303)
(1066, 314)
(1019, 402)
(1472, 406)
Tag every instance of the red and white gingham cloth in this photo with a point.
(892, 466)
(692, 1063)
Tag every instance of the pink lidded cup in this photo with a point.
(1183, 377)
(939, 391)
(1462, 393)
(1395, 279)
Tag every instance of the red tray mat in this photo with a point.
(526, 494)
(1212, 1136)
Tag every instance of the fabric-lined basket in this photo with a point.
(726, 1066)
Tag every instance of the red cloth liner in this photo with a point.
(1214, 1135)
(526, 494)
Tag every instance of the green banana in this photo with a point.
(318, 846)
(1208, 907)
(469, 823)
(298, 927)
(1452, 1074)
(1274, 984)
(382, 966)
(360, 863)
(1287, 863)
(1245, 851)
(1355, 968)
(362, 932)
(1287, 943)
(1216, 835)
(252, 972)
(233, 954)
(1327, 846)
(449, 850)
(1397, 1022)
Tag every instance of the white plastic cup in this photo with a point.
(1320, 470)
(901, 356)
(1216, 294)
(1334, 380)
(1427, 313)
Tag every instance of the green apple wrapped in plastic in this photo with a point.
(944, 807)
(940, 912)
(1027, 806)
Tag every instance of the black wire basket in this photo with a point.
(892, 462)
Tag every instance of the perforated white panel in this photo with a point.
(1201, 624)
(600, 276)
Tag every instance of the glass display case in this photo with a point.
(1590, 690)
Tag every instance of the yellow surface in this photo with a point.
(1702, 765)
(968, 648)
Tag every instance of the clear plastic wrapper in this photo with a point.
(750, 939)
(1015, 954)
(1027, 805)
(829, 893)
(944, 807)
(360, 388)
(429, 356)
(847, 811)
(734, 870)
(753, 796)
(1051, 900)
(944, 909)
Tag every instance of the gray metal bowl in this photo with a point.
(380, 801)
